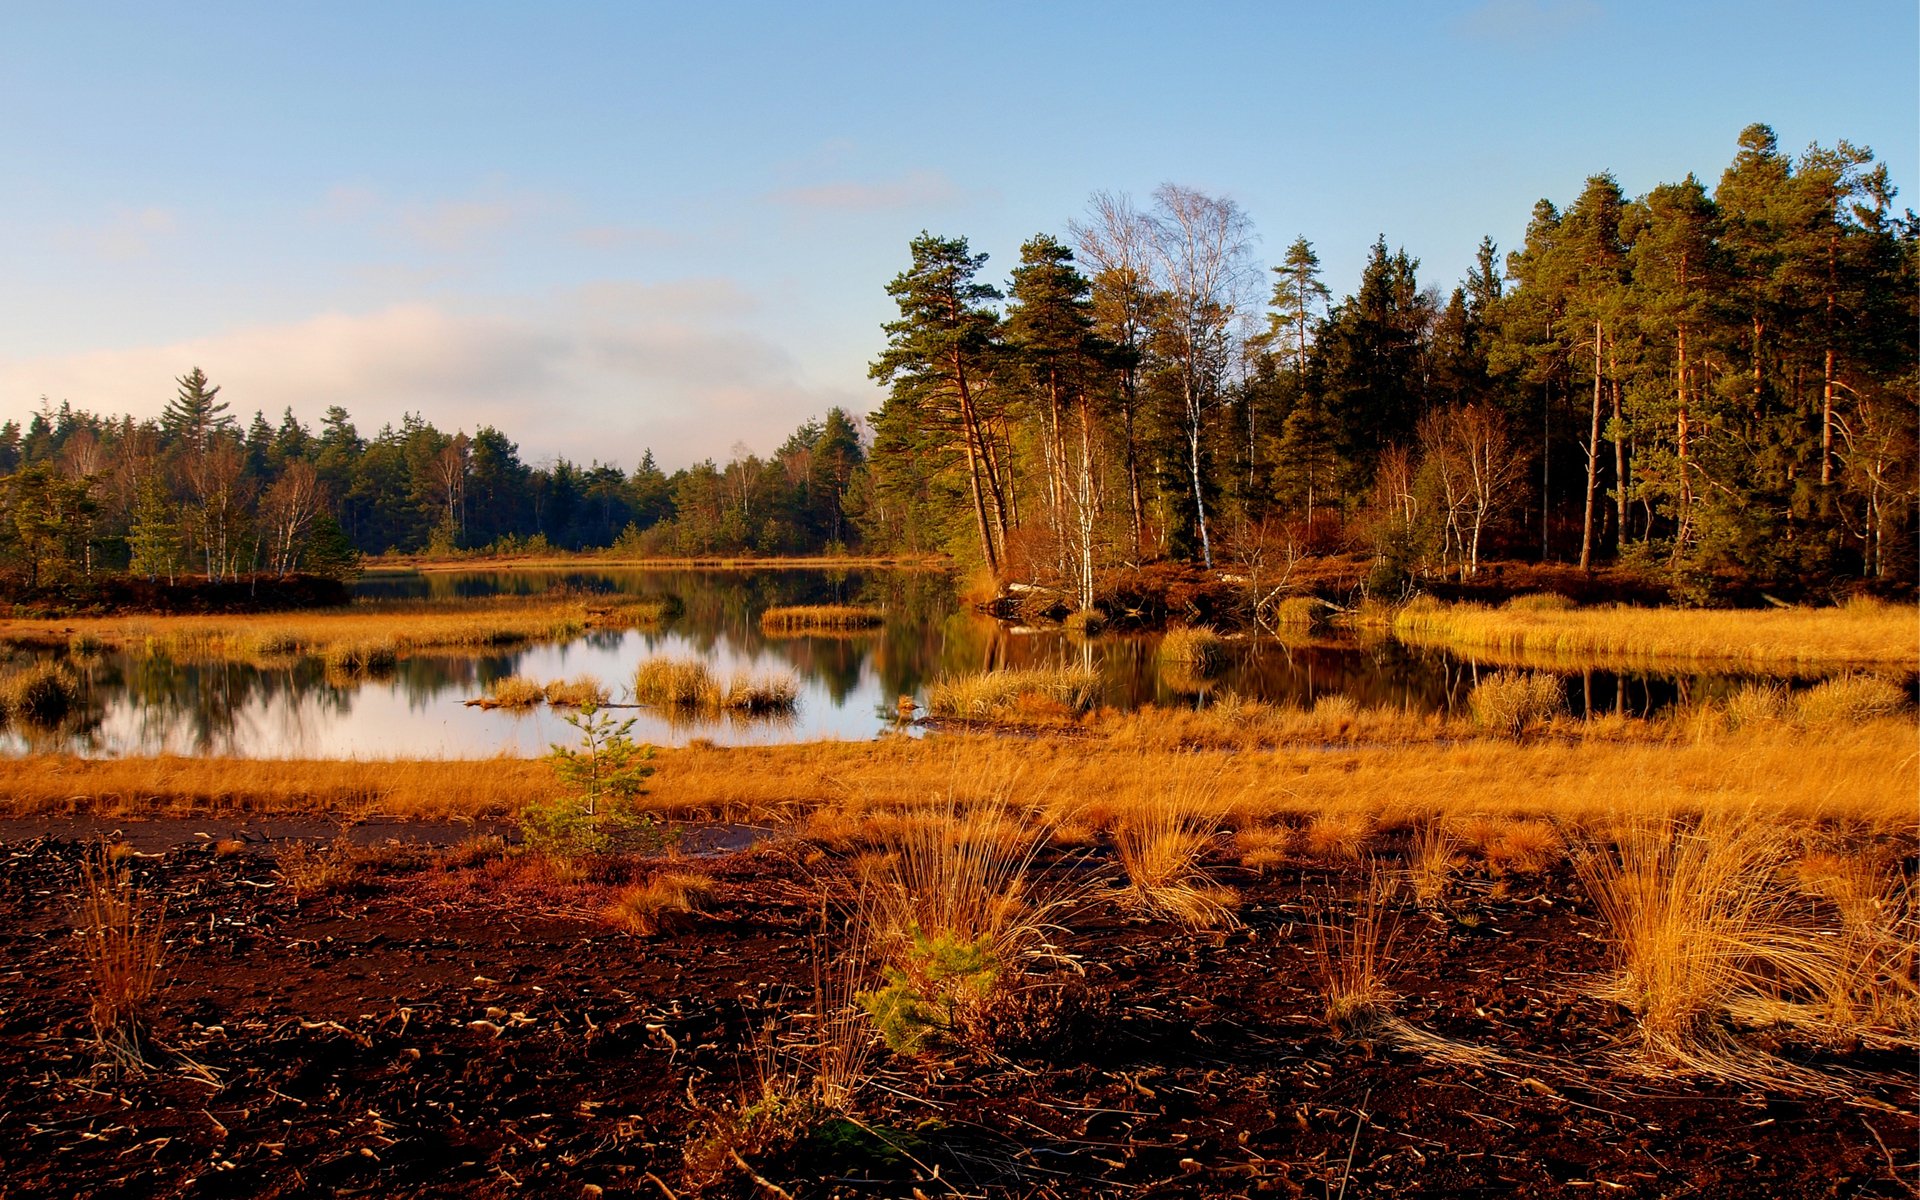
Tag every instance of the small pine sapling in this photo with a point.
(603, 775)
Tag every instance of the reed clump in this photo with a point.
(1849, 700)
(1000, 695)
(582, 691)
(1302, 612)
(1194, 649)
(815, 618)
(1163, 846)
(1863, 633)
(1355, 954)
(40, 694)
(689, 686)
(122, 944)
(1511, 702)
(657, 905)
(355, 660)
(515, 691)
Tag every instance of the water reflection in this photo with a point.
(849, 685)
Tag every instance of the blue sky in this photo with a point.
(604, 227)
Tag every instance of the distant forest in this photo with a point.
(1695, 382)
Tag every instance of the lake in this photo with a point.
(849, 686)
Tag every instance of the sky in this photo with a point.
(604, 228)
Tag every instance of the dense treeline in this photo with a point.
(194, 493)
(1699, 383)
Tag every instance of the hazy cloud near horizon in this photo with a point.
(599, 372)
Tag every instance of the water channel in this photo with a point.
(849, 686)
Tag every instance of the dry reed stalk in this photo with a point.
(122, 944)
(1511, 702)
(1163, 845)
(1355, 954)
(1433, 856)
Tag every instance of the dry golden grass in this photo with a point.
(688, 686)
(1697, 925)
(1263, 846)
(1866, 774)
(820, 618)
(1197, 651)
(1001, 695)
(344, 636)
(579, 692)
(41, 694)
(515, 691)
(1301, 612)
(654, 906)
(1163, 846)
(1433, 855)
(168, 785)
(1511, 702)
(1355, 954)
(1864, 633)
(122, 944)
(1339, 835)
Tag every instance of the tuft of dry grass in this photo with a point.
(1163, 845)
(1433, 855)
(40, 694)
(1523, 847)
(1002, 695)
(820, 618)
(1703, 931)
(1263, 846)
(1511, 702)
(1339, 835)
(654, 906)
(689, 686)
(1355, 954)
(581, 691)
(1302, 612)
(1863, 633)
(1849, 700)
(122, 943)
(1194, 649)
(516, 691)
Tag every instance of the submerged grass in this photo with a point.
(1862, 633)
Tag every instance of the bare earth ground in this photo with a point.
(439, 1030)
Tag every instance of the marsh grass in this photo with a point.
(797, 619)
(1848, 700)
(340, 637)
(516, 691)
(660, 903)
(689, 686)
(1163, 846)
(1433, 855)
(1511, 702)
(1302, 612)
(1355, 954)
(1195, 650)
(122, 943)
(1862, 633)
(40, 694)
(1706, 929)
(582, 691)
(1005, 694)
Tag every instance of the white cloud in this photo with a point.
(603, 372)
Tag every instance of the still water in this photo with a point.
(849, 686)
